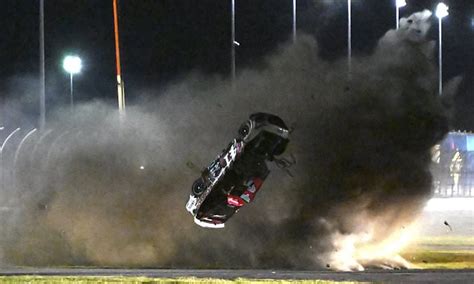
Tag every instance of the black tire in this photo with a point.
(244, 130)
(198, 187)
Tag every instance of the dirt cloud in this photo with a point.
(362, 150)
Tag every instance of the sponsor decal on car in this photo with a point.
(245, 197)
(234, 201)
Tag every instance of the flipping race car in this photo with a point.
(234, 177)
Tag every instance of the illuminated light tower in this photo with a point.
(399, 4)
(120, 82)
(441, 12)
(72, 65)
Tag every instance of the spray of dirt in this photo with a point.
(101, 189)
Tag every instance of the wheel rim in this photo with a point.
(244, 130)
(198, 187)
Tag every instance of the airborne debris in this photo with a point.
(285, 164)
(449, 226)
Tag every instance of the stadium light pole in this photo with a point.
(294, 20)
(72, 65)
(441, 12)
(349, 38)
(42, 94)
(399, 4)
(120, 82)
(234, 43)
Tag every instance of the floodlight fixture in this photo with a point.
(401, 3)
(72, 64)
(441, 10)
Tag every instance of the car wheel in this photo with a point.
(244, 130)
(198, 187)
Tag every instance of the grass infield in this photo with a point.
(446, 252)
(189, 280)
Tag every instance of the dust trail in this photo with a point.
(362, 151)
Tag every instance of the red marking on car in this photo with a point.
(235, 201)
(258, 182)
(253, 185)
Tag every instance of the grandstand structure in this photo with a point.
(453, 166)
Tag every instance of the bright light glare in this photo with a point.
(72, 64)
(442, 10)
(450, 204)
(401, 3)
(142, 167)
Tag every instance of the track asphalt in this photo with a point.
(392, 276)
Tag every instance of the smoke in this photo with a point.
(102, 189)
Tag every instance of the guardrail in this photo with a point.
(459, 184)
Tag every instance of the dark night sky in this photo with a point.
(163, 40)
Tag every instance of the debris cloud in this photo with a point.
(100, 190)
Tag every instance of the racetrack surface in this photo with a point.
(393, 276)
